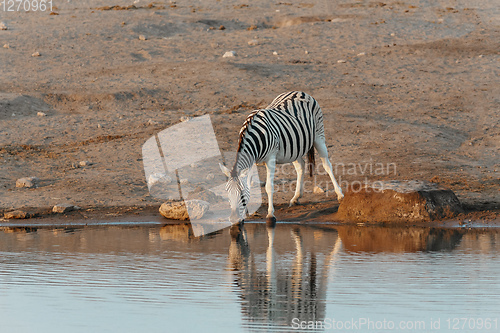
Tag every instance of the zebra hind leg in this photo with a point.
(299, 189)
(320, 146)
(271, 168)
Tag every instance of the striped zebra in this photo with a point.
(285, 131)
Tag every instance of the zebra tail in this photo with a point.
(310, 159)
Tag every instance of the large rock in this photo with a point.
(64, 208)
(184, 210)
(399, 201)
(18, 214)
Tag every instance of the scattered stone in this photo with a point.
(210, 176)
(253, 42)
(184, 181)
(75, 165)
(41, 114)
(361, 54)
(229, 54)
(64, 208)
(3, 26)
(152, 122)
(399, 201)
(28, 182)
(318, 190)
(159, 178)
(6, 46)
(18, 214)
(99, 126)
(185, 119)
(36, 54)
(184, 210)
(222, 27)
(306, 52)
(341, 61)
(142, 37)
(85, 163)
(275, 53)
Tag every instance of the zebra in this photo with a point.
(285, 131)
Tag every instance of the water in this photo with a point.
(291, 278)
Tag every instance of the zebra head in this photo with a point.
(238, 192)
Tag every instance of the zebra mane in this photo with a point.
(243, 130)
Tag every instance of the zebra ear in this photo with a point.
(225, 170)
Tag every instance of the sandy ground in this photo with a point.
(409, 90)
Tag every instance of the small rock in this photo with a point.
(17, 214)
(158, 178)
(229, 54)
(318, 189)
(64, 208)
(222, 27)
(184, 181)
(36, 54)
(75, 165)
(361, 54)
(184, 210)
(85, 163)
(275, 53)
(3, 26)
(99, 126)
(28, 182)
(41, 114)
(152, 122)
(253, 42)
(210, 176)
(142, 37)
(306, 52)
(341, 61)
(6, 46)
(185, 119)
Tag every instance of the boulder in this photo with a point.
(184, 210)
(29, 182)
(17, 214)
(399, 201)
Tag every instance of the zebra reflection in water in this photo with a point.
(276, 291)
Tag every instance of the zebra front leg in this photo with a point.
(320, 146)
(271, 167)
(299, 189)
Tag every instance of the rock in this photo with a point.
(29, 182)
(210, 176)
(158, 178)
(85, 163)
(253, 42)
(3, 26)
(184, 210)
(222, 27)
(361, 54)
(185, 119)
(142, 37)
(41, 114)
(6, 46)
(318, 190)
(184, 181)
(17, 214)
(64, 208)
(341, 61)
(229, 54)
(36, 54)
(399, 201)
(275, 53)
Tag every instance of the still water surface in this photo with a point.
(162, 279)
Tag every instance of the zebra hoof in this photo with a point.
(271, 221)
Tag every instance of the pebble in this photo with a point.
(361, 54)
(6, 46)
(222, 27)
(152, 122)
(99, 126)
(306, 52)
(253, 42)
(341, 61)
(41, 114)
(142, 37)
(64, 208)
(3, 26)
(185, 119)
(184, 181)
(210, 176)
(275, 53)
(318, 190)
(28, 182)
(36, 54)
(85, 163)
(229, 54)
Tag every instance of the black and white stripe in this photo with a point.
(285, 131)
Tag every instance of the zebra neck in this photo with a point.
(244, 161)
